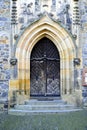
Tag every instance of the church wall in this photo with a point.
(4, 48)
(83, 40)
(5, 28)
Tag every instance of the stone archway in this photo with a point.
(45, 27)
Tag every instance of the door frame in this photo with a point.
(44, 27)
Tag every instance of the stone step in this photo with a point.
(45, 98)
(34, 106)
(44, 107)
(36, 102)
(34, 112)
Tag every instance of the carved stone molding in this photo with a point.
(13, 61)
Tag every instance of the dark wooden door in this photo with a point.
(45, 69)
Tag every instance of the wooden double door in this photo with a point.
(45, 69)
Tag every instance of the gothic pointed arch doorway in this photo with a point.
(25, 46)
(44, 69)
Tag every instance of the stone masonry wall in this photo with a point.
(83, 41)
(4, 47)
(5, 33)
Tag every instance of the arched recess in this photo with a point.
(45, 27)
(44, 70)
